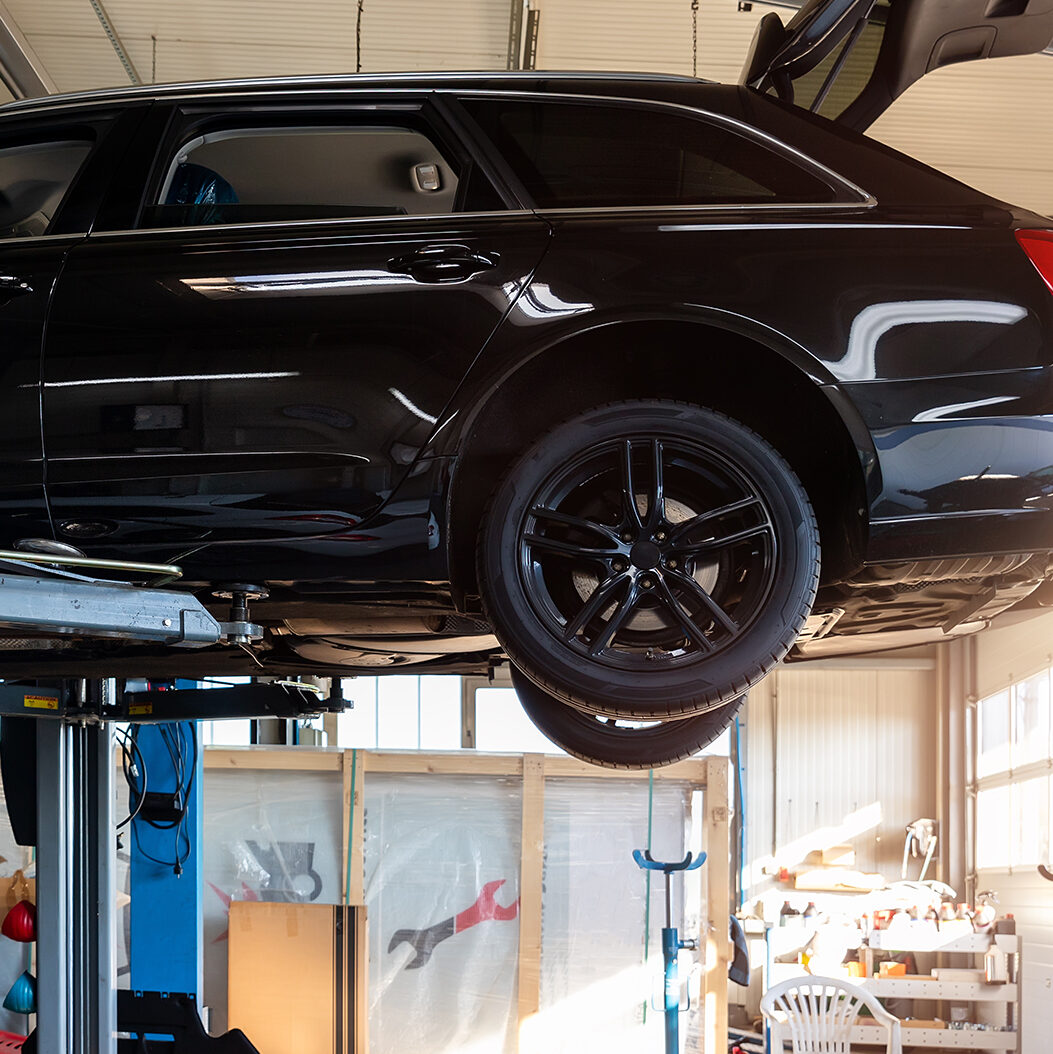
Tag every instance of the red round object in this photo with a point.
(21, 922)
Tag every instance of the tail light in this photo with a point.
(1039, 248)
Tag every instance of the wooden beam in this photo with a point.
(717, 878)
(452, 764)
(530, 876)
(346, 805)
(559, 766)
(356, 848)
(270, 758)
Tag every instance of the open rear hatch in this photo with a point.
(850, 59)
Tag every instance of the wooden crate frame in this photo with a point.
(709, 775)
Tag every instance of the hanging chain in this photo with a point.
(694, 38)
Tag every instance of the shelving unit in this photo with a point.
(935, 990)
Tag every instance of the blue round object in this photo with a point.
(22, 999)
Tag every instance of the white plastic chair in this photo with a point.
(819, 1013)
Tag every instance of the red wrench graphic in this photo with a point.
(485, 909)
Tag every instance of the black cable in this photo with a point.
(176, 739)
(129, 751)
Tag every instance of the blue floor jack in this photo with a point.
(671, 943)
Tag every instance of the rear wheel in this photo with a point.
(613, 743)
(648, 559)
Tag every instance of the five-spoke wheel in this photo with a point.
(648, 559)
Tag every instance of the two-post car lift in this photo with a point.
(56, 752)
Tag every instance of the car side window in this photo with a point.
(34, 178)
(580, 155)
(279, 174)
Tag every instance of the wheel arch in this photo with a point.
(748, 374)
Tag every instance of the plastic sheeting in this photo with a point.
(442, 858)
(441, 881)
(595, 987)
(268, 836)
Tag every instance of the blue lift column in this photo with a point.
(165, 953)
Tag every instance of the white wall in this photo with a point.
(838, 753)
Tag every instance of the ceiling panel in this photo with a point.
(615, 35)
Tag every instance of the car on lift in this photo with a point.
(585, 371)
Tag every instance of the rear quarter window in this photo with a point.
(579, 155)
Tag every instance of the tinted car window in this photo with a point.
(276, 174)
(584, 154)
(34, 178)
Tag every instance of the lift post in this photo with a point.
(77, 1007)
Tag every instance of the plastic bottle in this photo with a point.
(811, 911)
(786, 913)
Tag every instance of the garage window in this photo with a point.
(571, 155)
(1014, 756)
(285, 174)
(34, 178)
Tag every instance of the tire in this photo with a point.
(668, 604)
(600, 741)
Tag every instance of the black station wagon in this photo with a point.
(642, 382)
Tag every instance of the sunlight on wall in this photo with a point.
(854, 824)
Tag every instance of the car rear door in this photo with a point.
(850, 59)
(259, 354)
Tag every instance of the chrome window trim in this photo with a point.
(326, 83)
(535, 213)
(300, 224)
(766, 206)
(71, 236)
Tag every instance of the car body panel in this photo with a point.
(180, 377)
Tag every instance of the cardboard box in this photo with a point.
(296, 977)
(839, 856)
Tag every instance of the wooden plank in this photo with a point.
(348, 770)
(356, 849)
(530, 876)
(290, 759)
(560, 766)
(716, 875)
(452, 764)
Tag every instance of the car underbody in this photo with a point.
(880, 608)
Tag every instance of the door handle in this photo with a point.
(13, 286)
(443, 263)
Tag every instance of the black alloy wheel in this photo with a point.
(612, 743)
(648, 559)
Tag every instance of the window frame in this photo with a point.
(847, 194)
(188, 118)
(1012, 775)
